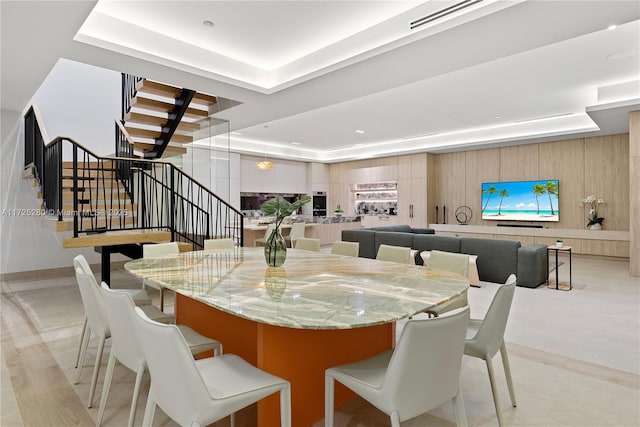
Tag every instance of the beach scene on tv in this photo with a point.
(521, 201)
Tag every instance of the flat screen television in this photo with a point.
(521, 201)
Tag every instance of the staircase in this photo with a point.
(160, 118)
(117, 203)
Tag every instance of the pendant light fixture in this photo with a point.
(265, 164)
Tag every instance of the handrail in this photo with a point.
(106, 189)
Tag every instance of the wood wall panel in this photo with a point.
(605, 158)
(431, 187)
(519, 162)
(481, 166)
(634, 192)
(450, 186)
(564, 161)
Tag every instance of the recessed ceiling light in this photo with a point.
(359, 131)
(295, 143)
(207, 23)
(496, 117)
(612, 27)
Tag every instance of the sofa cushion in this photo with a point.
(393, 238)
(533, 268)
(497, 259)
(366, 238)
(424, 231)
(428, 242)
(402, 228)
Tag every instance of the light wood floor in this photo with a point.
(575, 357)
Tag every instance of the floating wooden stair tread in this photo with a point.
(164, 107)
(152, 134)
(120, 237)
(89, 223)
(172, 150)
(92, 165)
(168, 91)
(146, 119)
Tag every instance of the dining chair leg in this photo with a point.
(328, 401)
(84, 332)
(395, 419)
(108, 376)
(161, 299)
(136, 393)
(83, 354)
(96, 371)
(494, 389)
(285, 407)
(149, 410)
(507, 373)
(459, 410)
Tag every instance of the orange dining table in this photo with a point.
(316, 311)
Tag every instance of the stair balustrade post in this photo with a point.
(75, 190)
(172, 215)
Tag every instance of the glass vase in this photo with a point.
(275, 249)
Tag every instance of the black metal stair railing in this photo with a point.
(117, 193)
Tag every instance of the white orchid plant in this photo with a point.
(593, 203)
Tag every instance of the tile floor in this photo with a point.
(575, 357)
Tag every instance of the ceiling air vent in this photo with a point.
(442, 13)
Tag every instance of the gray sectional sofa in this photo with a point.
(497, 258)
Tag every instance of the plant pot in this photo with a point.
(275, 249)
(559, 244)
(595, 226)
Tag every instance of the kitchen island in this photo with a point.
(328, 229)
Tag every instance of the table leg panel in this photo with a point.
(302, 355)
(237, 335)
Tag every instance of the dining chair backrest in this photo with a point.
(160, 249)
(119, 307)
(218, 244)
(449, 261)
(94, 309)
(394, 254)
(345, 248)
(490, 335)
(81, 262)
(176, 384)
(424, 369)
(297, 230)
(307, 244)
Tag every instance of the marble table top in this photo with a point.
(312, 290)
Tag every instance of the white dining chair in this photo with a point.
(97, 323)
(296, 232)
(267, 233)
(345, 248)
(157, 250)
(486, 336)
(394, 254)
(197, 393)
(421, 373)
(126, 349)
(308, 244)
(218, 244)
(140, 297)
(454, 263)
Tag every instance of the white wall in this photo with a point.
(286, 177)
(81, 102)
(25, 243)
